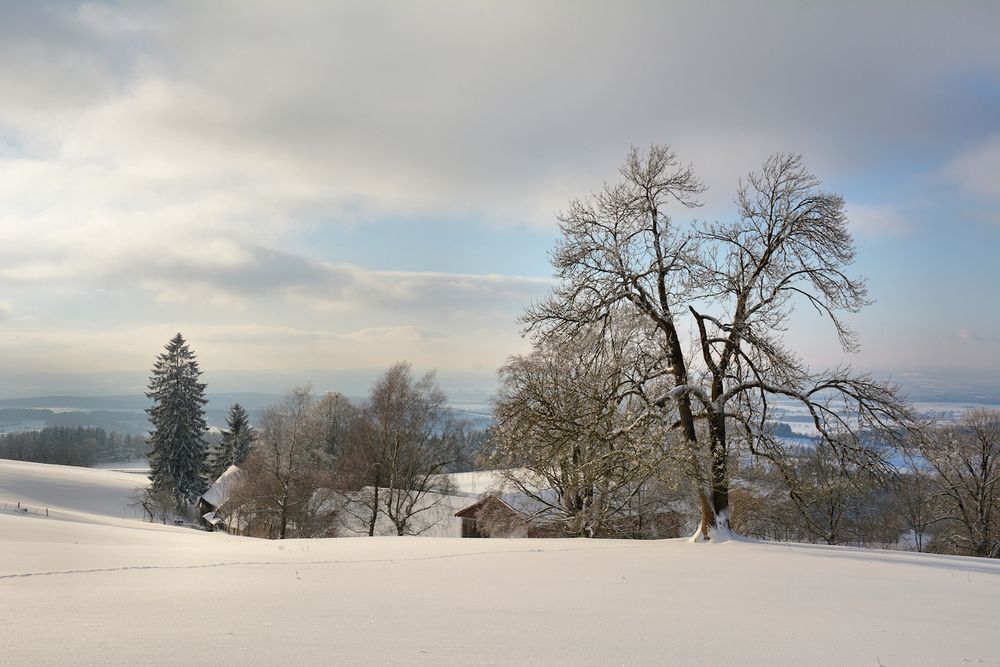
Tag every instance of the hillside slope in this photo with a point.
(69, 492)
(128, 592)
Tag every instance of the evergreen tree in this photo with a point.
(178, 452)
(236, 441)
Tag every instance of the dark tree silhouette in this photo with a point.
(178, 451)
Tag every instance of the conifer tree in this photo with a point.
(178, 451)
(236, 440)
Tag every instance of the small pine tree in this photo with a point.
(243, 433)
(178, 451)
(235, 445)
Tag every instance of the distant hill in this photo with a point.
(119, 414)
(249, 400)
(126, 413)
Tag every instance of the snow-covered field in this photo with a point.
(87, 585)
(68, 492)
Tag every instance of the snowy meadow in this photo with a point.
(89, 584)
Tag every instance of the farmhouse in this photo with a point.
(518, 514)
(215, 497)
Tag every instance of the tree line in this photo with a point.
(73, 446)
(945, 497)
(325, 465)
(386, 456)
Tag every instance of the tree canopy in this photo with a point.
(713, 300)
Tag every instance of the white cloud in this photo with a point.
(160, 163)
(301, 107)
(267, 273)
(976, 171)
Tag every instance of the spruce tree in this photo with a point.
(178, 451)
(236, 440)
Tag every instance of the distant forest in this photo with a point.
(118, 421)
(73, 446)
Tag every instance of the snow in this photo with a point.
(476, 482)
(138, 466)
(218, 493)
(479, 482)
(102, 589)
(69, 492)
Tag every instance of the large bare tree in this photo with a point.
(717, 297)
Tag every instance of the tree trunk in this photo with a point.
(714, 513)
(374, 519)
(720, 501)
(720, 489)
(715, 502)
(707, 517)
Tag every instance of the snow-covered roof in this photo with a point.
(517, 501)
(478, 482)
(212, 518)
(218, 493)
(525, 504)
(542, 503)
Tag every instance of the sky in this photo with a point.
(312, 191)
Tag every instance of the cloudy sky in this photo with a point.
(309, 191)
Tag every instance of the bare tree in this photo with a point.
(287, 471)
(398, 449)
(829, 495)
(914, 500)
(158, 505)
(336, 416)
(734, 286)
(812, 495)
(762, 508)
(966, 460)
(570, 435)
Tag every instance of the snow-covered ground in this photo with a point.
(104, 589)
(138, 466)
(69, 492)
